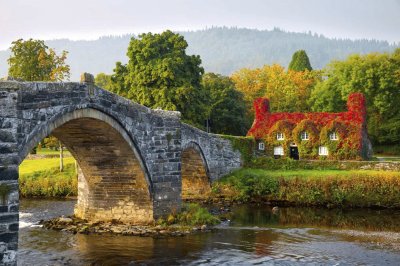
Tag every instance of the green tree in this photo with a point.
(103, 81)
(225, 105)
(160, 74)
(377, 75)
(32, 60)
(300, 61)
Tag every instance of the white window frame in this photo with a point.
(261, 146)
(304, 135)
(323, 151)
(278, 150)
(333, 136)
(279, 136)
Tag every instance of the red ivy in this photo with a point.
(354, 118)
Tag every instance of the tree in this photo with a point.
(288, 91)
(300, 61)
(377, 76)
(103, 81)
(160, 74)
(225, 105)
(32, 60)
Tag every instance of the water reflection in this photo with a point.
(255, 236)
(360, 219)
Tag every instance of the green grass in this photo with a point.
(350, 188)
(42, 178)
(37, 165)
(49, 183)
(191, 214)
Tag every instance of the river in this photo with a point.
(254, 235)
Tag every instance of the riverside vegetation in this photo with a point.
(264, 180)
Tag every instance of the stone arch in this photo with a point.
(113, 182)
(195, 172)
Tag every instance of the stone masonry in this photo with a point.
(129, 155)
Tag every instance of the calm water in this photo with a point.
(255, 235)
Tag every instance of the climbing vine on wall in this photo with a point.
(285, 127)
(349, 126)
(308, 149)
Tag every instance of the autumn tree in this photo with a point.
(160, 74)
(377, 76)
(32, 60)
(224, 105)
(300, 61)
(288, 91)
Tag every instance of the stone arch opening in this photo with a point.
(195, 174)
(113, 182)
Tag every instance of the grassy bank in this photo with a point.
(42, 178)
(353, 188)
(39, 165)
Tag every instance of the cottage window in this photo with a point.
(333, 136)
(304, 135)
(323, 151)
(279, 136)
(261, 146)
(278, 150)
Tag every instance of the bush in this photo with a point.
(49, 183)
(194, 214)
(306, 187)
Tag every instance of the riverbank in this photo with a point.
(303, 187)
(343, 184)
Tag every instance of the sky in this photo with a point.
(90, 19)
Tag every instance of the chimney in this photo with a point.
(261, 108)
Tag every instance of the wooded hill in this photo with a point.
(223, 50)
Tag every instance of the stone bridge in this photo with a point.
(135, 163)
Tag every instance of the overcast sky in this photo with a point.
(89, 19)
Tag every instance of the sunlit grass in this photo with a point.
(49, 182)
(29, 166)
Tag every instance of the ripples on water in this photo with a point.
(300, 236)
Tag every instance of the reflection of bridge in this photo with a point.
(133, 160)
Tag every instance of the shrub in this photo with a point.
(330, 187)
(50, 183)
(194, 214)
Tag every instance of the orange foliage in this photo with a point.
(287, 90)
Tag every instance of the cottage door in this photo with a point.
(294, 153)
